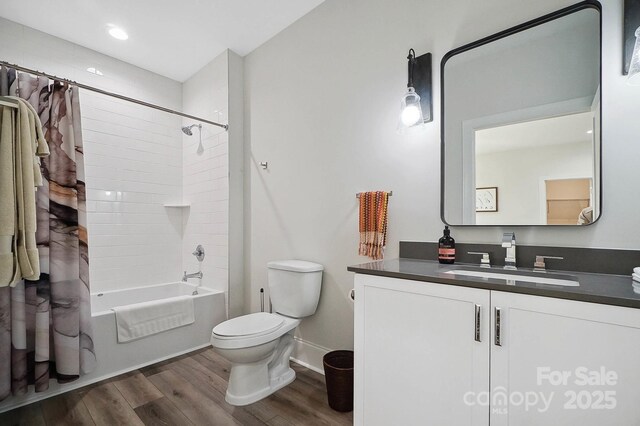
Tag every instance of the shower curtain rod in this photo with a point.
(114, 95)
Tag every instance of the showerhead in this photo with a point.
(187, 129)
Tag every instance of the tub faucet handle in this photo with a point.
(199, 253)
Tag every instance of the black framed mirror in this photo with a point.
(521, 124)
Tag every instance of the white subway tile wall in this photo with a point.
(134, 165)
(133, 158)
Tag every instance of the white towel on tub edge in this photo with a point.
(147, 318)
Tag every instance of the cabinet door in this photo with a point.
(416, 353)
(564, 362)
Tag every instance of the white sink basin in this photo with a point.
(537, 279)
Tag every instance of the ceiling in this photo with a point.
(550, 131)
(169, 37)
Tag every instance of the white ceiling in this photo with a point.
(174, 38)
(550, 131)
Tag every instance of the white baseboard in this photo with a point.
(309, 355)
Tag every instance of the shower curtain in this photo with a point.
(45, 325)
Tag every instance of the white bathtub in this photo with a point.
(115, 358)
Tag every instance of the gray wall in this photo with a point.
(321, 106)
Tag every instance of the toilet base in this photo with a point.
(275, 384)
(249, 382)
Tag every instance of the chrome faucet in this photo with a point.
(509, 242)
(199, 254)
(186, 276)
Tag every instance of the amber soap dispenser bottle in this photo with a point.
(447, 248)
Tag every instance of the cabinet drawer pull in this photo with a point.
(498, 339)
(476, 330)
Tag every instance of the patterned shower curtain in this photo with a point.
(45, 325)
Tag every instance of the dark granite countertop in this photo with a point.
(605, 289)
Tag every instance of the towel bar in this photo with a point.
(358, 194)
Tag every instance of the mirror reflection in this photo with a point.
(521, 126)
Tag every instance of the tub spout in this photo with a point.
(186, 276)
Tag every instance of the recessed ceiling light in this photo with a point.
(95, 71)
(118, 33)
(589, 132)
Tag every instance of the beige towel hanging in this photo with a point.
(21, 143)
(8, 270)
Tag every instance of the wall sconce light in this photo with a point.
(415, 107)
(631, 42)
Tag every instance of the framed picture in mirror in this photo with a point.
(487, 199)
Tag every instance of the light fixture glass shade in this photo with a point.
(634, 67)
(410, 112)
(118, 33)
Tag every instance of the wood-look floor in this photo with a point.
(188, 390)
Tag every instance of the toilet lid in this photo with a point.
(246, 325)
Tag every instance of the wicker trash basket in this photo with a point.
(338, 371)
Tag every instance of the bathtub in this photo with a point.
(116, 358)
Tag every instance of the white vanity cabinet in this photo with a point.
(582, 357)
(417, 352)
(434, 354)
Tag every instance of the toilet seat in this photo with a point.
(251, 330)
(249, 325)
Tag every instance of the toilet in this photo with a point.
(259, 345)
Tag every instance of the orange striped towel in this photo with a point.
(373, 223)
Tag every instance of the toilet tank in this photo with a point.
(294, 287)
